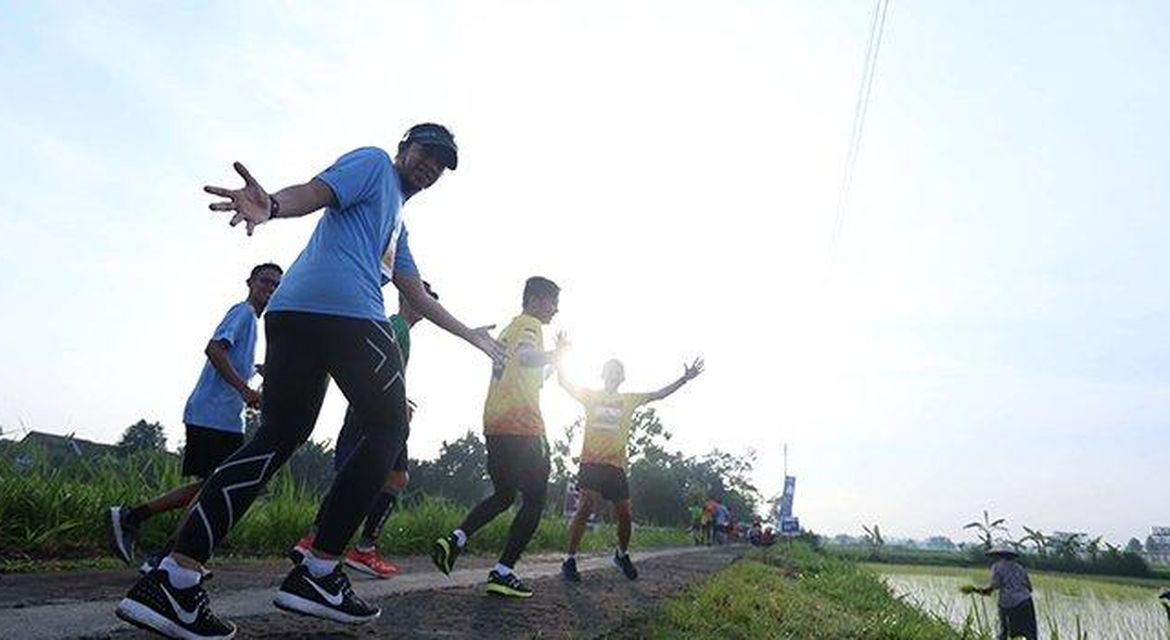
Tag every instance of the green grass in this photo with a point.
(50, 513)
(791, 592)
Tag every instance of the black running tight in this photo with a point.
(516, 464)
(304, 351)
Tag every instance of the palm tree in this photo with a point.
(873, 538)
(987, 529)
(1093, 548)
(1068, 546)
(1038, 539)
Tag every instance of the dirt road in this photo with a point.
(419, 603)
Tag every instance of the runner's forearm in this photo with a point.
(412, 288)
(668, 389)
(218, 357)
(302, 199)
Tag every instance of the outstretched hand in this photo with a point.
(692, 371)
(251, 204)
(482, 338)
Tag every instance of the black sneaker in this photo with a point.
(569, 570)
(444, 552)
(151, 562)
(626, 565)
(330, 597)
(153, 604)
(508, 585)
(123, 536)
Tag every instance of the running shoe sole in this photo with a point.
(362, 568)
(441, 555)
(118, 537)
(295, 604)
(508, 592)
(146, 618)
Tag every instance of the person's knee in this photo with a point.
(504, 497)
(535, 499)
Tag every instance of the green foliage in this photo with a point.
(143, 436)
(50, 510)
(792, 591)
(1112, 562)
(987, 529)
(459, 474)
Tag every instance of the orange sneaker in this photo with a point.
(370, 562)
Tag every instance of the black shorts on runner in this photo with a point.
(518, 462)
(351, 433)
(608, 480)
(206, 448)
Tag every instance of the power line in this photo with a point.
(873, 46)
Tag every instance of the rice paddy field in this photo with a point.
(1067, 606)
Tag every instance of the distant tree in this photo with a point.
(458, 474)
(939, 542)
(873, 540)
(311, 466)
(646, 432)
(660, 483)
(1093, 548)
(1038, 540)
(1134, 546)
(1068, 546)
(987, 529)
(561, 458)
(143, 436)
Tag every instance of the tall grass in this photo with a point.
(792, 592)
(52, 511)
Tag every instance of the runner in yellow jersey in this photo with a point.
(608, 415)
(517, 456)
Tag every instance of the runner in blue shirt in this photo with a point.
(326, 321)
(215, 428)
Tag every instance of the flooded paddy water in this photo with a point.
(1067, 606)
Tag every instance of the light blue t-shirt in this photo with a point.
(722, 515)
(340, 271)
(214, 403)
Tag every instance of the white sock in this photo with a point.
(179, 576)
(316, 566)
(503, 570)
(460, 537)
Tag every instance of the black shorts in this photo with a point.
(605, 479)
(518, 462)
(351, 433)
(206, 448)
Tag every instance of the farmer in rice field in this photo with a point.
(1017, 615)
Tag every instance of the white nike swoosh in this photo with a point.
(331, 598)
(187, 617)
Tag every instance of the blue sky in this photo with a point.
(992, 336)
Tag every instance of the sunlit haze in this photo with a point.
(992, 335)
